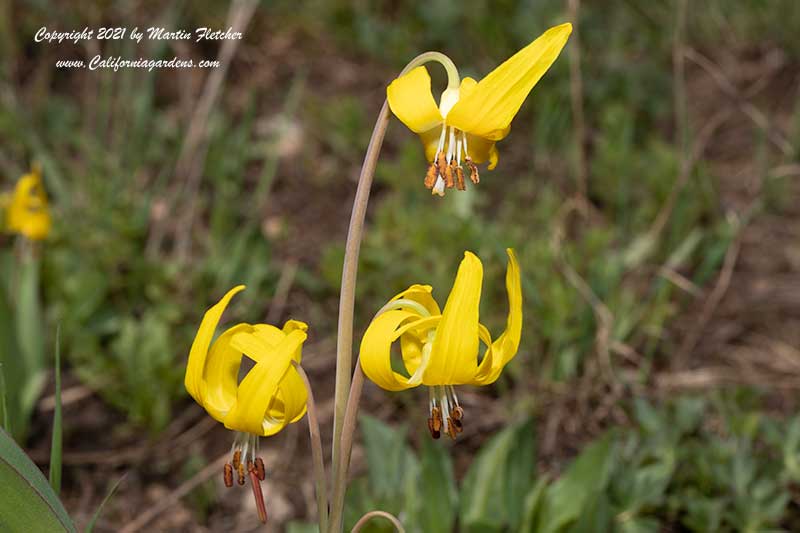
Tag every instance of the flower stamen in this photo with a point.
(227, 475)
(260, 470)
(245, 463)
(445, 171)
(430, 177)
(446, 413)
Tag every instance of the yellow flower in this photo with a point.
(440, 349)
(28, 213)
(270, 396)
(471, 116)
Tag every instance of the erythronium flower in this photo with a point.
(27, 212)
(269, 397)
(471, 116)
(441, 349)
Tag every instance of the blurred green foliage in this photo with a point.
(703, 464)
(109, 147)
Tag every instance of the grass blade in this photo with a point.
(96, 515)
(56, 442)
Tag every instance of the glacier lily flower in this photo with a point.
(471, 116)
(27, 211)
(440, 349)
(269, 397)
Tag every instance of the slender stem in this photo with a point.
(372, 514)
(344, 339)
(348, 431)
(318, 465)
(453, 78)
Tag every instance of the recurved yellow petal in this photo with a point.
(420, 294)
(260, 386)
(411, 101)
(488, 109)
(505, 347)
(454, 352)
(482, 150)
(199, 351)
(376, 350)
(221, 374)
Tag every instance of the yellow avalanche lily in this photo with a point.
(270, 396)
(471, 116)
(441, 349)
(27, 212)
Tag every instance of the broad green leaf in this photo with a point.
(520, 472)
(27, 502)
(648, 417)
(596, 517)
(437, 488)
(393, 477)
(386, 456)
(484, 504)
(533, 503)
(567, 498)
(702, 513)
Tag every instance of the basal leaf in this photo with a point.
(27, 502)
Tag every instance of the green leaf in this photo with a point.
(520, 472)
(386, 456)
(597, 516)
(640, 525)
(393, 477)
(485, 503)
(27, 503)
(437, 487)
(567, 498)
(533, 503)
(13, 370)
(99, 510)
(29, 326)
(55, 443)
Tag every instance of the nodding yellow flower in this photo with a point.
(441, 349)
(27, 212)
(270, 396)
(471, 116)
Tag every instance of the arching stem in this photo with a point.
(372, 514)
(344, 340)
(318, 465)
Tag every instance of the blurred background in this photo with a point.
(649, 185)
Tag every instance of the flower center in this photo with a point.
(244, 449)
(445, 171)
(446, 415)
